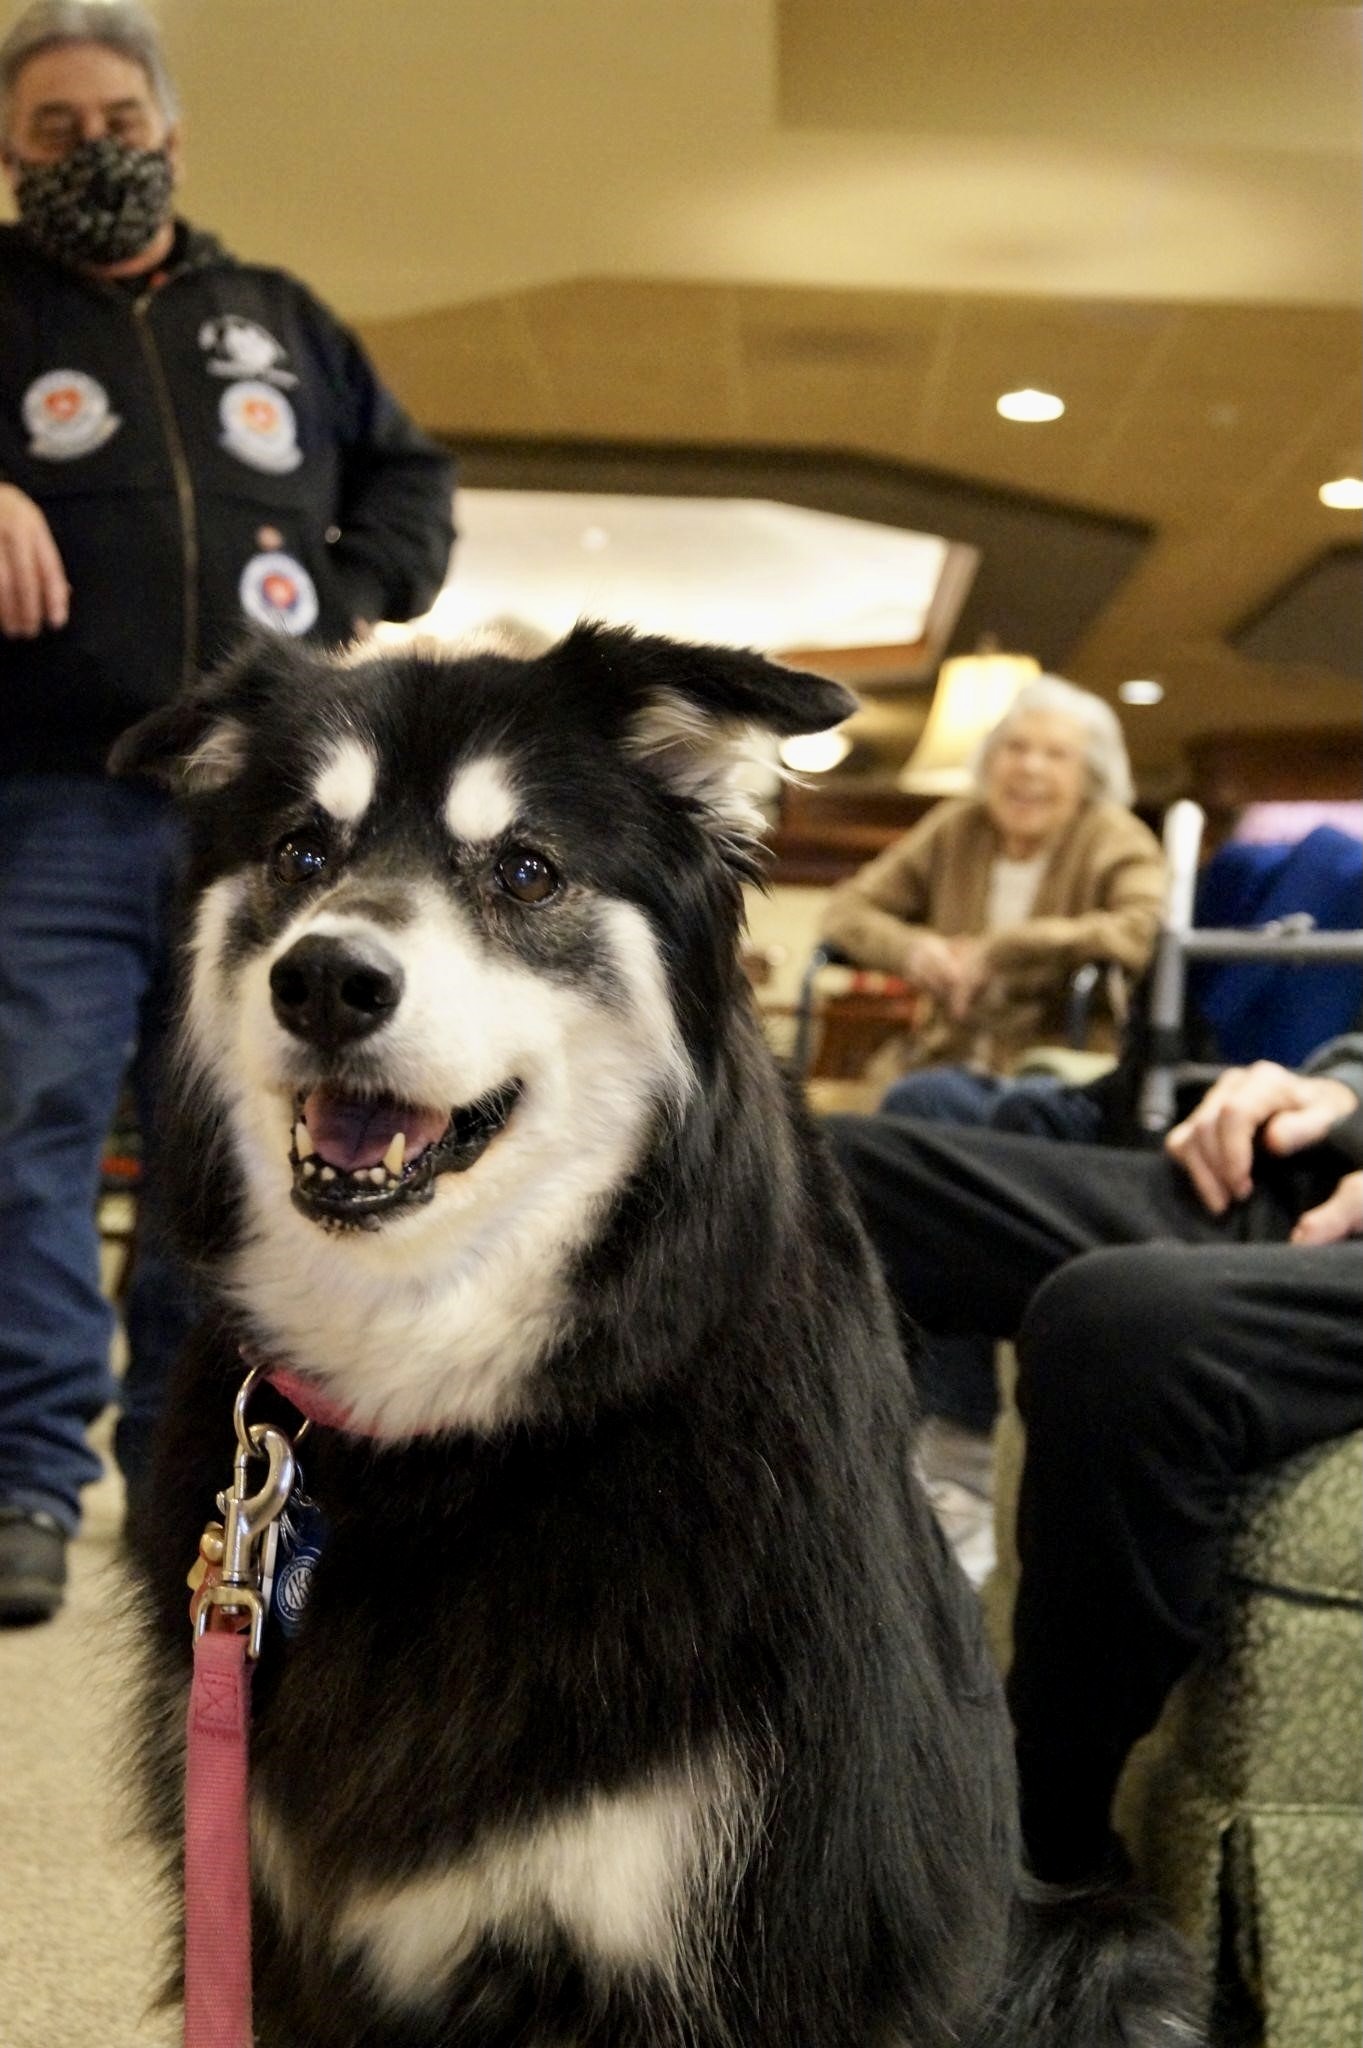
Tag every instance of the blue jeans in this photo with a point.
(1036, 1106)
(955, 1375)
(87, 871)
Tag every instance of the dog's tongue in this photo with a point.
(350, 1133)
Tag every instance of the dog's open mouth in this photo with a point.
(357, 1159)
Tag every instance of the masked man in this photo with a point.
(188, 445)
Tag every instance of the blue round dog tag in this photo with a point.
(302, 1533)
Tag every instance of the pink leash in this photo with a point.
(228, 1616)
(217, 1810)
(217, 1855)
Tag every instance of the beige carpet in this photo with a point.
(82, 1917)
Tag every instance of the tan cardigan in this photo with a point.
(1099, 899)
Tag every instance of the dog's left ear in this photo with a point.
(692, 714)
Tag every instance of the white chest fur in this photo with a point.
(634, 1880)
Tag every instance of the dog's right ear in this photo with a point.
(198, 742)
(194, 744)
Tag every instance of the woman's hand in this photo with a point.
(930, 964)
(952, 970)
(972, 968)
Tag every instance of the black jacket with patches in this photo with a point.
(176, 438)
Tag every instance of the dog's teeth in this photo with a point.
(328, 1173)
(397, 1152)
(378, 1175)
(309, 1168)
(302, 1143)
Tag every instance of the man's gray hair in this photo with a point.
(1109, 765)
(119, 24)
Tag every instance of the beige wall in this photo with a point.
(784, 924)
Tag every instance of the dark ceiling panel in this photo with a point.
(1317, 617)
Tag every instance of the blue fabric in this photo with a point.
(1280, 1012)
(1038, 1105)
(86, 875)
(945, 1095)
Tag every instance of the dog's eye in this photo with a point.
(299, 857)
(527, 875)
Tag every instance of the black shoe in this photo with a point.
(32, 1566)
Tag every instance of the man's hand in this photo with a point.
(1216, 1143)
(34, 592)
(1341, 1216)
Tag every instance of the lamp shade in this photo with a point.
(973, 692)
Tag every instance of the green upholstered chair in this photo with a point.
(1244, 1807)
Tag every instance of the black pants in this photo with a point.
(1163, 1356)
(956, 1374)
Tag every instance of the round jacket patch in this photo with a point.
(67, 414)
(277, 591)
(258, 426)
(237, 347)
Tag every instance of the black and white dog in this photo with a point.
(636, 1702)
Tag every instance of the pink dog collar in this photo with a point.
(311, 1402)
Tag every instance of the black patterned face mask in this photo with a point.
(101, 204)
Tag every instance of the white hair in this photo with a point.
(1109, 766)
(120, 25)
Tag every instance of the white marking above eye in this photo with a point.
(481, 804)
(344, 787)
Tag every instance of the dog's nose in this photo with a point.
(330, 991)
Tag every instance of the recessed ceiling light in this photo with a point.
(594, 538)
(1345, 494)
(1141, 690)
(1030, 405)
(814, 753)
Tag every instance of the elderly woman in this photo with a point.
(990, 903)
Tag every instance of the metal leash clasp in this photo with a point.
(248, 1518)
